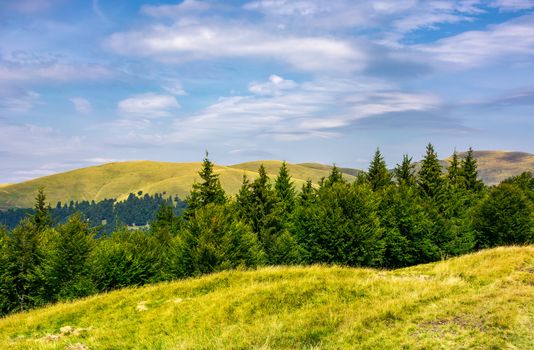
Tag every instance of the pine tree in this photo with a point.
(69, 268)
(263, 201)
(284, 188)
(41, 218)
(430, 179)
(378, 174)
(469, 172)
(335, 177)
(405, 172)
(307, 194)
(453, 171)
(209, 191)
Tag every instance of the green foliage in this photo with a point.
(469, 172)
(208, 191)
(216, 240)
(378, 174)
(370, 222)
(405, 172)
(505, 216)
(453, 171)
(336, 176)
(41, 218)
(284, 189)
(67, 268)
(341, 227)
(430, 177)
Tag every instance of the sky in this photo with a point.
(85, 82)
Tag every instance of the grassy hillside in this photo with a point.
(305, 171)
(482, 300)
(496, 166)
(117, 180)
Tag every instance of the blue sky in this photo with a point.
(87, 82)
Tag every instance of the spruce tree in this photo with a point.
(208, 191)
(335, 177)
(284, 188)
(405, 172)
(453, 171)
(68, 271)
(430, 178)
(469, 172)
(378, 174)
(41, 218)
(307, 194)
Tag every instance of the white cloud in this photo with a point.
(513, 5)
(81, 105)
(148, 106)
(31, 140)
(275, 86)
(179, 43)
(510, 41)
(175, 11)
(308, 110)
(27, 67)
(20, 103)
(174, 87)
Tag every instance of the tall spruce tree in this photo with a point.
(208, 191)
(469, 172)
(284, 188)
(41, 218)
(430, 179)
(405, 172)
(378, 174)
(453, 171)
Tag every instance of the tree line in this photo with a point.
(106, 215)
(383, 219)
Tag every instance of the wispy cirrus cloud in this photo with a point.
(147, 106)
(81, 105)
(186, 42)
(511, 41)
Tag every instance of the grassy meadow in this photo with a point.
(482, 300)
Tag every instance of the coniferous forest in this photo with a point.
(384, 219)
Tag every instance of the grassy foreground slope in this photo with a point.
(483, 300)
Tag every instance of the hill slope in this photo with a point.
(117, 180)
(482, 300)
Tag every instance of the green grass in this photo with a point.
(482, 301)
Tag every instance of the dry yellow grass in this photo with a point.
(117, 180)
(482, 301)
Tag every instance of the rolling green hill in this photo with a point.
(481, 301)
(117, 180)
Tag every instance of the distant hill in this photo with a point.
(117, 180)
(477, 301)
(495, 166)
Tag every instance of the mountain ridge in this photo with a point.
(119, 179)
